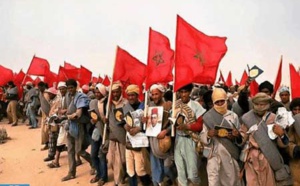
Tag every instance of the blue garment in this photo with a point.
(159, 171)
(32, 116)
(99, 160)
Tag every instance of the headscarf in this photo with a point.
(116, 85)
(218, 95)
(132, 89)
(261, 98)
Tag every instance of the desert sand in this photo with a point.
(21, 161)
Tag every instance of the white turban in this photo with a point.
(284, 89)
(159, 87)
(102, 89)
(61, 84)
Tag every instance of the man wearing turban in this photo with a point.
(264, 165)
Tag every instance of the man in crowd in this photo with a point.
(117, 139)
(77, 113)
(12, 98)
(186, 156)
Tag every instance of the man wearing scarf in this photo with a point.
(98, 106)
(223, 152)
(186, 156)
(137, 160)
(117, 133)
(78, 105)
(12, 97)
(161, 159)
(264, 165)
(294, 145)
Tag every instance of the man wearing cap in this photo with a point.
(12, 97)
(284, 94)
(62, 135)
(77, 113)
(264, 165)
(161, 159)
(54, 102)
(222, 150)
(32, 103)
(98, 107)
(117, 133)
(186, 156)
(136, 158)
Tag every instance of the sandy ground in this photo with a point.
(21, 161)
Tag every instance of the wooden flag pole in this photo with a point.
(145, 109)
(109, 99)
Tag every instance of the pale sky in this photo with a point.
(87, 32)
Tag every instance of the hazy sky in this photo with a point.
(87, 32)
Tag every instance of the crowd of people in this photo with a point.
(222, 136)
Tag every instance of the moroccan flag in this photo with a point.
(65, 74)
(295, 82)
(85, 76)
(51, 79)
(94, 79)
(197, 56)
(129, 70)
(160, 59)
(27, 78)
(236, 82)
(6, 75)
(100, 79)
(38, 67)
(244, 78)
(253, 88)
(18, 79)
(69, 66)
(106, 81)
(37, 80)
(221, 78)
(228, 82)
(278, 78)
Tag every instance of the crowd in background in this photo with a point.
(225, 138)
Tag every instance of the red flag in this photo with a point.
(236, 82)
(244, 78)
(94, 79)
(197, 55)
(221, 78)
(129, 70)
(295, 82)
(69, 66)
(18, 79)
(278, 78)
(253, 88)
(65, 74)
(85, 76)
(6, 75)
(229, 80)
(27, 78)
(160, 59)
(106, 81)
(100, 79)
(51, 79)
(38, 66)
(37, 80)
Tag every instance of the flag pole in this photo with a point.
(109, 98)
(146, 93)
